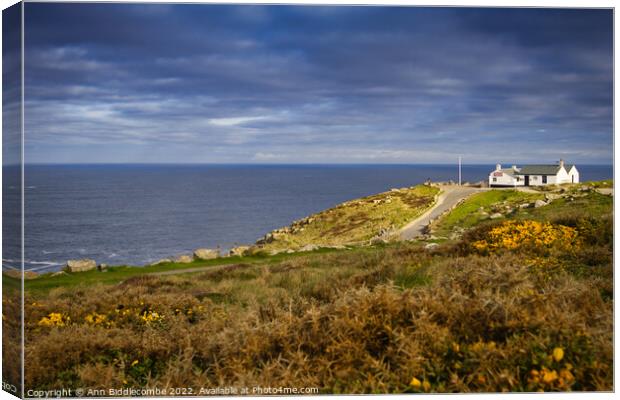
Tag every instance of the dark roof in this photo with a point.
(543, 169)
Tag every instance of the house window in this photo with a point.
(534, 178)
(518, 179)
(494, 179)
(544, 178)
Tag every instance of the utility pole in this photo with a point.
(459, 170)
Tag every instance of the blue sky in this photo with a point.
(308, 84)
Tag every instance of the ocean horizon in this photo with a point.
(138, 213)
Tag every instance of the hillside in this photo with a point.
(519, 303)
(355, 222)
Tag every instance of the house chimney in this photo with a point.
(514, 167)
(498, 167)
(561, 163)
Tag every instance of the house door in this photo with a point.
(527, 180)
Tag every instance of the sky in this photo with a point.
(165, 83)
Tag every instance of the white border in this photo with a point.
(452, 3)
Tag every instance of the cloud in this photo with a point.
(233, 121)
(221, 83)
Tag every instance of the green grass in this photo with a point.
(592, 204)
(608, 183)
(467, 214)
(10, 284)
(114, 275)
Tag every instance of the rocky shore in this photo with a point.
(382, 235)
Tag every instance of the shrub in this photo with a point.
(534, 236)
(476, 324)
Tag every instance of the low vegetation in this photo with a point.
(499, 309)
(479, 206)
(353, 222)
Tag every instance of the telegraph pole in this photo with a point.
(459, 170)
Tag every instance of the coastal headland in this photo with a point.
(501, 290)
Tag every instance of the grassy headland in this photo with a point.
(519, 303)
(354, 222)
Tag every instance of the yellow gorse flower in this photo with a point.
(549, 376)
(150, 317)
(95, 319)
(54, 319)
(415, 382)
(512, 235)
(558, 354)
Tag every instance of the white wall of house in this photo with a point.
(501, 178)
(562, 176)
(573, 175)
(537, 180)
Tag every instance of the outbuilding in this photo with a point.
(534, 175)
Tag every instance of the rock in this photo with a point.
(102, 267)
(82, 265)
(17, 274)
(525, 205)
(206, 254)
(162, 261)
(13, 273)
(539, 203)
(430, 245)
(183, 259)
(336, 247)
(309, 247)
(550, 197)
(30, 275)
(238, 251)
(59, 273)
(378, 240)
(496, 216)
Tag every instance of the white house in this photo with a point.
(534, 175)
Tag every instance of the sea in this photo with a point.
(137, 214)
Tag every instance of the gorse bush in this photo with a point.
(537, 237)
(339, 322)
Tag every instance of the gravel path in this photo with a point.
(209, 268)
(450, 196)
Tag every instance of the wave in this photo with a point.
(44, 265)
(29, 265)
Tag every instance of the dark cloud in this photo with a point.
(221, 83)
